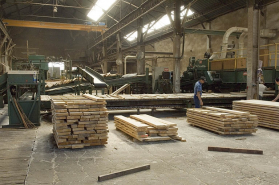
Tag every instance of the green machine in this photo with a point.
(23, 89)
(195, 70)
(222, 80)
(40, 63)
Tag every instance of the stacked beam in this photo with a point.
(79, 121)
(131, 127)
(147, 128)
(223, 121)
(266, 111)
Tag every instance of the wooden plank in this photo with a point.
(122, 173)
(267, 112)
(120, 89)
(78, 130)
(235, 150)
(147, 121)
(223, 121)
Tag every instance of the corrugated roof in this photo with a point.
(205, 10)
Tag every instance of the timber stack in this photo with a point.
(79, 121)
(147, 128)
(266, 111)
(223, 121)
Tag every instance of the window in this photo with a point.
(99, 9)
(164, 21)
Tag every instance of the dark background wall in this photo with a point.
(49, 42)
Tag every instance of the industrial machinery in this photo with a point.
(226, 75)
(164, 82)
(195, 70)
(23, 89)
(222, 76)
(40, 63)
(3, 89)
(35, 62)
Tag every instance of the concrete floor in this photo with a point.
(171, 162)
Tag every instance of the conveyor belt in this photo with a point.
(183, 100)
(65, 89)
(93, 77)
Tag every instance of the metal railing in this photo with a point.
(272, 56)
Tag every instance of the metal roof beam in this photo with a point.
(52, 25)
(130, 3)
(146, 7)
(45, 4)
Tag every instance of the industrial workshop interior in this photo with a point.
(139, 92)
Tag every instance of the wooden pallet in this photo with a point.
(267, 111)
(223, 121)
(79, 121)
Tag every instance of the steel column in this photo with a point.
(252, 50)
(105, 62)
(119, 56)
(176, 47)
(140, 48)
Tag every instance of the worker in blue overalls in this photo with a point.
(198, 92)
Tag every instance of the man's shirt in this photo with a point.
(197, 88)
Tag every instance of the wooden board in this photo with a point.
(223, 121)
(151, 122)
(267, 111)
(142, 131)
(79, 121)
(122, 173)
(235, 150)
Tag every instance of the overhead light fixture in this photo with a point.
(55, 9)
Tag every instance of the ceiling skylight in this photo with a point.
(164, 21)
(99, 9)
(131, 36)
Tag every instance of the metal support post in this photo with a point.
(105, 62)
(176, 47)
(141, 48)
(252, 50)
(154, 65)
(119, 56)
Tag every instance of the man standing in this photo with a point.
(198, 92)
(262, 88)
(277, 83)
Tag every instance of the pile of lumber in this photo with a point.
(79, 121)
(147, 128)
(266, 111)
(223, 121)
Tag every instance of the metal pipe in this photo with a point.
(159, 52)
(226, 38)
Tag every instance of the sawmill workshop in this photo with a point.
(139, 92)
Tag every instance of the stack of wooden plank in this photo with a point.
(266, 111)
(223, 121)
(130, 126)
(147, 128)
(79, 121)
